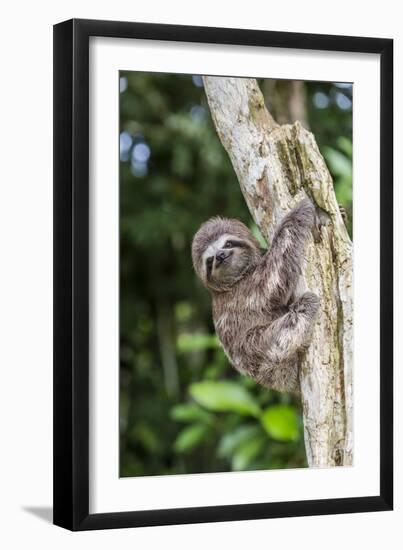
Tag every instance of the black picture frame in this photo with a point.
(71, 274)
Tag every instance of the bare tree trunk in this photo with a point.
(166, 341)
(286, 100)
(277, 166)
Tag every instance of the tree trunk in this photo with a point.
(277, 166)
(286, 100)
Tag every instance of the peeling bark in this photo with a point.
(277, 166)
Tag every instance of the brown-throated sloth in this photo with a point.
(259, 318)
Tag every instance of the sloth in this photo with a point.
(262, 318)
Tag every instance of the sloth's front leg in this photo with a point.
(281, 267)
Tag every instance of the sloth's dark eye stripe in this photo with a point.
(239, 244)
(209, 264)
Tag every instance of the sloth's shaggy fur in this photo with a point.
(259, 316)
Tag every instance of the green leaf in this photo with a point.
(343, 191)
(257, 234)
(281, 422)
(230, 441)
(247, 452)
(338, 163)
(224, 396)
(212, 371)
(346, 146)
(190, 437)
(188, 412)
(183, 311)
(196, 342)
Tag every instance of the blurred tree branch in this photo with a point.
(277, 166)
(286, 100)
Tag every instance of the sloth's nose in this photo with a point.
(221, 256)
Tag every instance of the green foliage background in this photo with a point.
(183, 409)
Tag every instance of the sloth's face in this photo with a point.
(225, 261)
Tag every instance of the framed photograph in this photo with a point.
(223, 236)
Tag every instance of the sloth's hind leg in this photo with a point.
(281, 377)
(291, 332)
(281, 341)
